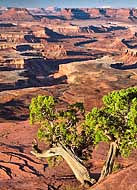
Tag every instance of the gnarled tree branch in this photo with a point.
(79, 170)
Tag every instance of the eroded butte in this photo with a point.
(73, 54)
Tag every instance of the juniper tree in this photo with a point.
(115, 123)
(71, 133)
(63, 131)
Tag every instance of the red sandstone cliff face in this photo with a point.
(116, 13)
(22, 14)
(109, 13)
(123, 12)
(17, 14)
(39, 31)
(51, 21)
(129, 57)
(67, 13)
(54, 51)
(93, 12)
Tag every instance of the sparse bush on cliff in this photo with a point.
(71, 133)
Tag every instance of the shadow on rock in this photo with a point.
(121, 66)
(9, 109)
(24, 164)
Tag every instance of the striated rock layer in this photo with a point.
(108, 13)
(17, 14)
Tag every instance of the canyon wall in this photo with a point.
(17, 14)
(22, 14)
(87, 13)
(129, 56)
(54, 51)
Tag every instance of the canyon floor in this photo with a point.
(74, 60)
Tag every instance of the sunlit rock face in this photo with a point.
(17, 14)
(54, 51)
(87, 13)
(125, 179)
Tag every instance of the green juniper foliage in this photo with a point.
(58, 126)
(116, 121)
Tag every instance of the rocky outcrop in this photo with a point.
(17, 14)
(6, 45)
(67, 13)
(17, 63)
(125, 179)
(12, 36)
(38, 31)
(129, 56)
(66, 29)
(131, 52)
(12, 33)
(93, 12)
(123, 13)
(45, 20)
(107, 13)
(54, 51)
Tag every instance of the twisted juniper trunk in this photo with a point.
(79, 170)
(108, 166)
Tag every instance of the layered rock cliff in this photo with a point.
(108, 13)
(17, 14)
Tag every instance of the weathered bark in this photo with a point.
(79, 170)
(108, 166)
